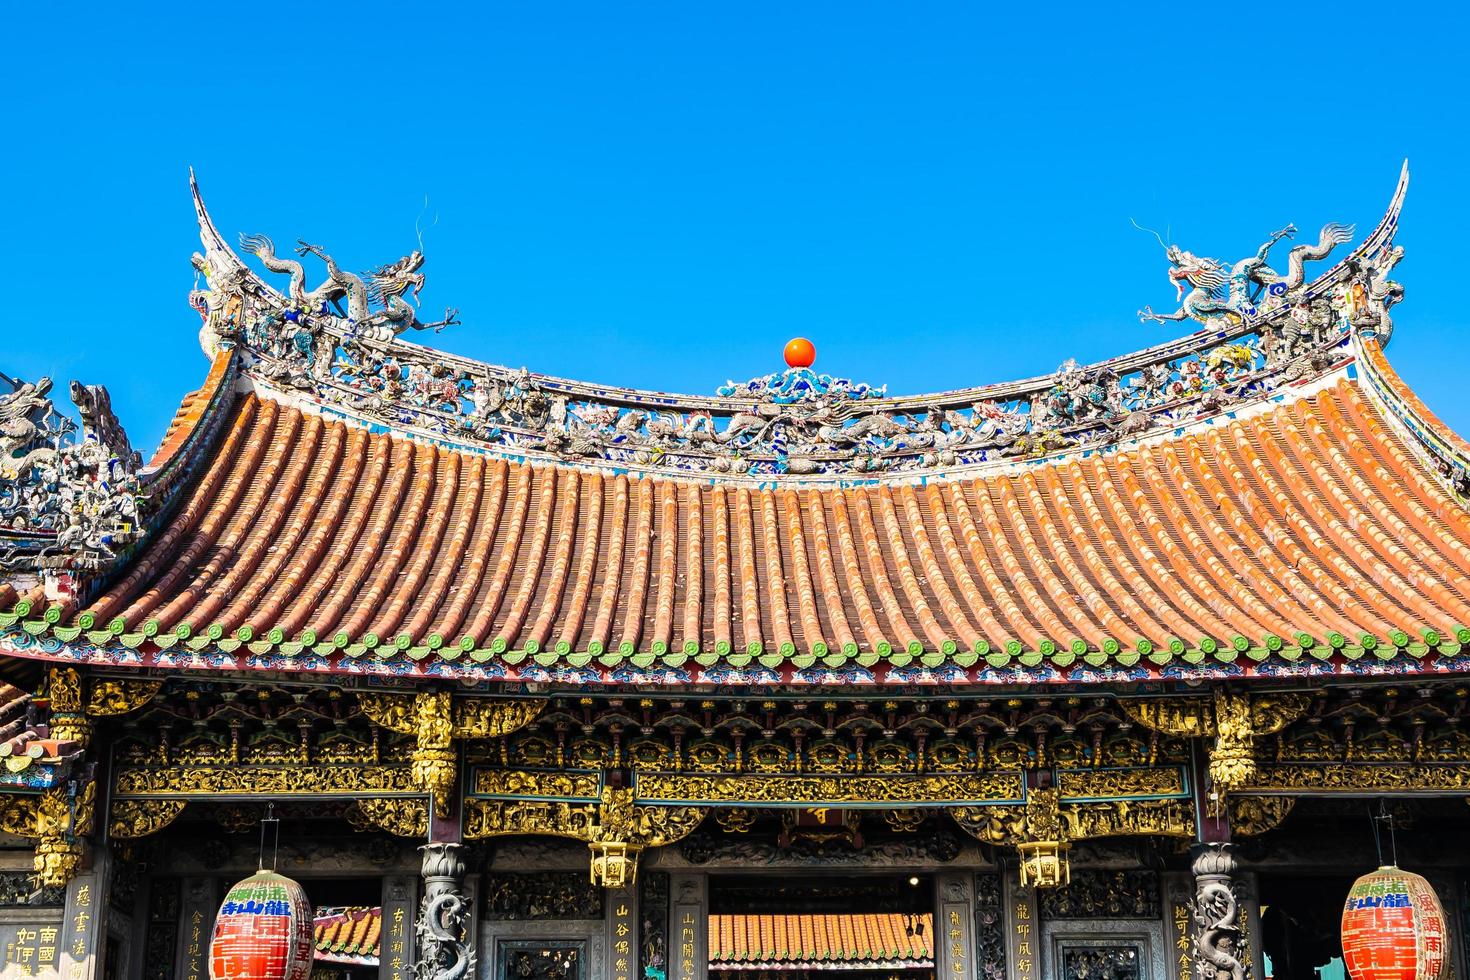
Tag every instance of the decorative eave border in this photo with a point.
(1399, 656)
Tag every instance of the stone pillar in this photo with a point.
(1023, 930)
(442, 950)
(622, 933)
(1220, 948)
(84, 929)
(689, 943)
(196, 925)
(954, 919)
(396, 942)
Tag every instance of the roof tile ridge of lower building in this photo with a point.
(580, 601)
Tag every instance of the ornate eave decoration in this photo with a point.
(1266, 329)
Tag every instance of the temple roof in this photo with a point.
(816, 942)
(1262, 498)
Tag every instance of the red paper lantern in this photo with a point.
(800, 353)
(1393, 928)
(263, 931)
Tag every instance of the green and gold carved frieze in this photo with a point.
(538, 785)
(1121, 784)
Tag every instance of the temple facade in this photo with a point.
(1120, 673)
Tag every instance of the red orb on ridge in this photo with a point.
(800, 353)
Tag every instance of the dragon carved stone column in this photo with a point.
(443, 952)
(1219, 936)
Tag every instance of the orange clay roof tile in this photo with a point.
(1309, 518)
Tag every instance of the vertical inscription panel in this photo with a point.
(395, 942)
(622, 934)
(1023, 933)
(689, 942)
(201, 902)
(955, 916)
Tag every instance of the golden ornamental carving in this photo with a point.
(131, 819)
(188, 781)
(18, 814)
(1252, 815)
(1082, 821)
(1365, 778)
(400, 817)
(491, 718)
(1120, 783)
(533, 784)
(1184, 717)
(903, 821)
(394, 712)
(1044, 851)
(738, 820)
(934, 790)
(507, 818)
(433, 760)
(109, 697)
(61, 821)
(1239, 720)
(467, 718)
(1129, 818)
(68, 719)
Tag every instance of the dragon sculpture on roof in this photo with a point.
(1220, 296)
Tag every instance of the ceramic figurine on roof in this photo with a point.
(1229, 297)
(66, 500)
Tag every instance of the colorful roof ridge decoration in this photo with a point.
(30, 759)
(348, 936)
(1263, 498)
(814, 942)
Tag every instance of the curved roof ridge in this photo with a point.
(1263, 331)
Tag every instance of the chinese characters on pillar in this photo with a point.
(1182, 943)
(397, 931)
(624, 956)
(688, 933)
(959, 955)
(1025, 958)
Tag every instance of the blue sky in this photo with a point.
(661, 194)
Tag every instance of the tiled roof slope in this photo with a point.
(1303, 529)
(814, 941)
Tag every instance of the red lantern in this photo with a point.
(1393, 928)
(800, 353)
(263, 931)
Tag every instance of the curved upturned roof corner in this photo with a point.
(1267, 500)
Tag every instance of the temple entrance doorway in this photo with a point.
(813, 926)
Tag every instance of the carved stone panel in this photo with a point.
(1103, 895)
(548, 895)
(527, 959)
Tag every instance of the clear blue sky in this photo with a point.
(660, 194)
